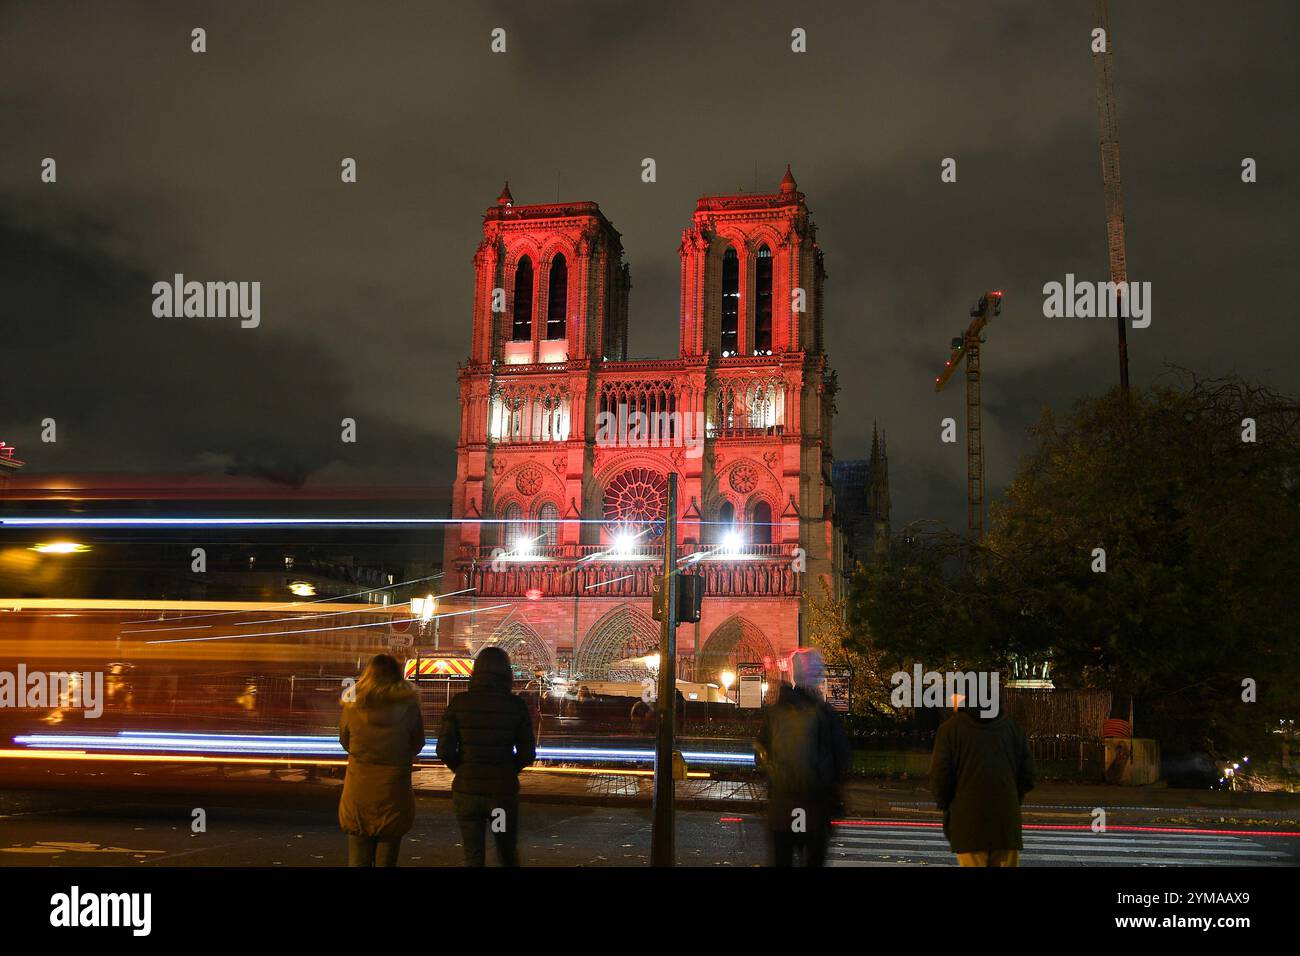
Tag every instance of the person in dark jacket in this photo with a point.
(803, 751)
(383, 732)
(979, 775)
(486, 740)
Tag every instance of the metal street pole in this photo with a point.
(662, 852)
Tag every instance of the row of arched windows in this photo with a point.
(557, 300)
(730, 306)
(519, 534)
(760, 531)
(529, 415)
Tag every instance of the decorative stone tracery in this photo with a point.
(635, 498)
(744, 478)
(529, 481)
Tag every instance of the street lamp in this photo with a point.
(59, 547)
(727, 678)
(422, 611)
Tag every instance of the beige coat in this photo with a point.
(382, 739)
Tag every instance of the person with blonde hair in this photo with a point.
(382, 731)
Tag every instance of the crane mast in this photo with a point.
(1108, 122)
(966, 347)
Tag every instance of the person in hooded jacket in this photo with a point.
(980, 771)
(803, 751)
(382, 731)
(486, 740)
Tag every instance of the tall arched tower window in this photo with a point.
(523, 326)
(515, 531)
(548, 525)
(763, 301)
(557, 298)
(730, 301)
(726, 522)
(761, 532)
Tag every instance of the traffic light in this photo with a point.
(690, 597)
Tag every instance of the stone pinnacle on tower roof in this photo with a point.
(788, 184)
(505, 199)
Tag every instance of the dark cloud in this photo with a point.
(225, 166)
(132, 392)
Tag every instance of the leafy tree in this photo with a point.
(829, 632)
(1201, 538)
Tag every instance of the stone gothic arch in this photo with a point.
(734, 641)
(625, 632)
(527, 651)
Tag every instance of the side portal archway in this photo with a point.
(732, 642)
(610, 649)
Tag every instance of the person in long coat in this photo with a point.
(979, 774)
(382, 731)
(803, 751)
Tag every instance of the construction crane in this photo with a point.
(1108, 121)
(967, 347)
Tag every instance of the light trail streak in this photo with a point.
(246, 744)
(360, 609)
(160, 758)
(1121, 828)
(248, 522)
(601, 584)
(11, 754)
(316, 630)
(290, 604)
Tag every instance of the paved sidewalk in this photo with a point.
(613, 789)
(904, 800)
(1052, 801)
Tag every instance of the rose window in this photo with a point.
(637, 497)
(529, 481)
(744, 479)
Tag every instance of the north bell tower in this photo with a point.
(550, 285)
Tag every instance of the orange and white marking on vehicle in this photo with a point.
(439, 667)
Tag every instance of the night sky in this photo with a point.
(225, 166)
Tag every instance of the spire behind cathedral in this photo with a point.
(862, 503)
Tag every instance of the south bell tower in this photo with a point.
(751, 276)
(751, 310)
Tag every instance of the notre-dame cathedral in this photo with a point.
(561, 518)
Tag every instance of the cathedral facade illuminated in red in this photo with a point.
(566, 445)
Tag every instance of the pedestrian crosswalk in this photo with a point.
(878, 843)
